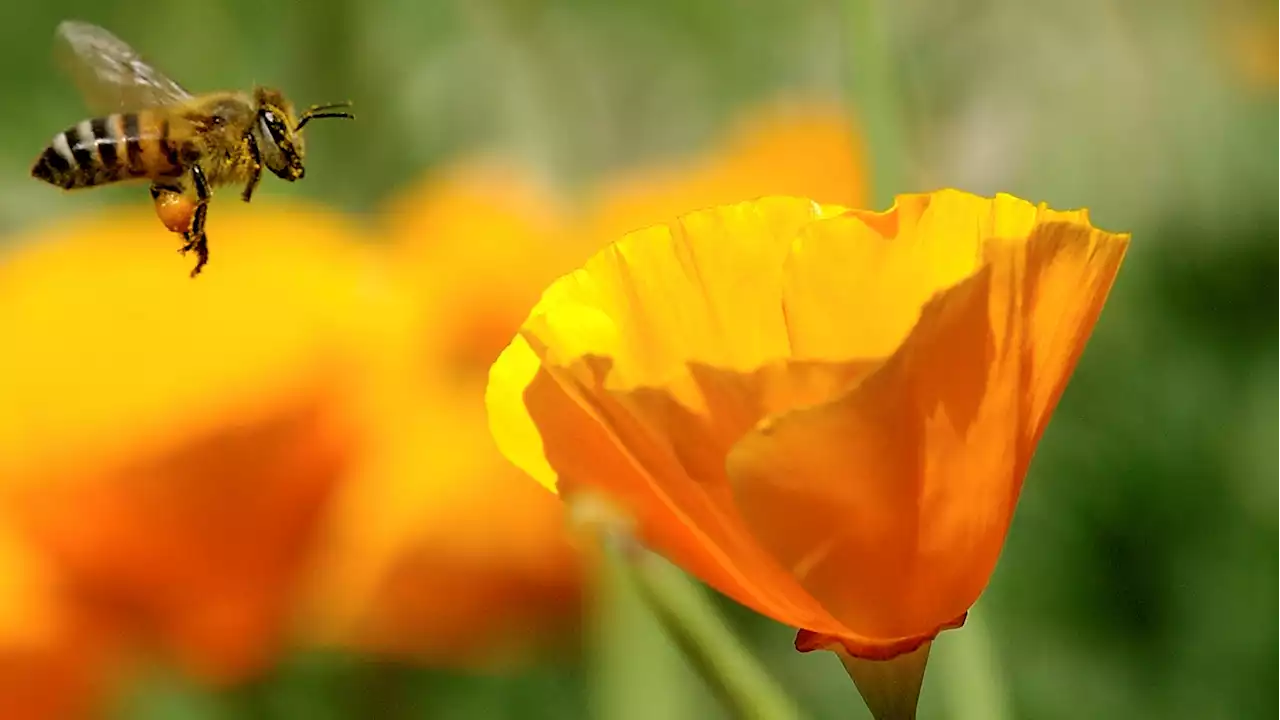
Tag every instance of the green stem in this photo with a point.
(686, 612)
(386, 689)
(873, 89)
(637, 672)
(972, 683)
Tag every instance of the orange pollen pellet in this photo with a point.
(175, 211)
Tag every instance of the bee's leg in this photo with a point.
(200, 244)
(255, 167)
(195, 237)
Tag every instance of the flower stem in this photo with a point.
(873, 89)
(636, 671)
(686, 612)
(972, 683)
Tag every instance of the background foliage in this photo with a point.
(1140, 577)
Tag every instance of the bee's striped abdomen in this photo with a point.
(103, 150)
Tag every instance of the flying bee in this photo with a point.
(151, 128)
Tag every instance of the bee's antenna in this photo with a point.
(324, 111)
(330, 106)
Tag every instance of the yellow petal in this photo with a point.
(703, 289)
(702, 311)
(647, 414)
(513, 430)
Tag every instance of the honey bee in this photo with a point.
(151, 128)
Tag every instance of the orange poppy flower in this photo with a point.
(825, 414)
(171, 444)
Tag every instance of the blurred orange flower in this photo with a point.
(805, 149)
(483, 239)
(825, 414)
(1246, 33)
(442, 551)
(171, 445)
(425, 562)
(479, 242)
(439, 551)
(54, 657)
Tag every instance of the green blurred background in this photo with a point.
(1140, 576)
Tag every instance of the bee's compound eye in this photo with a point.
(275, 129)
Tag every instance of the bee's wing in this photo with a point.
(110, 75)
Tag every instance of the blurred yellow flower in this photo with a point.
(171, 445)
(825, 414)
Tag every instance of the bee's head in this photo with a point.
(279, 133)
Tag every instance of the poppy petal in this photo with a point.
(892, 501)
